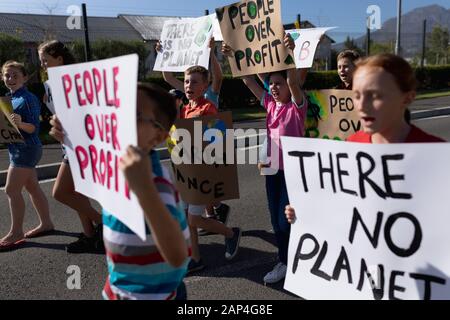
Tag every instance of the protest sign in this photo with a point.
(9, 133)
(331, 114)
(96, 104)
(217, 34)
(49, 97)
(306, 43)
(185, 43)
(372, 219)
(201, 150)
(255, 33)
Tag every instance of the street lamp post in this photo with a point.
(398, 48)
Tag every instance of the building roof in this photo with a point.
(149, 27)
(37, 28)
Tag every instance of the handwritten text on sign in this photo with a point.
(9, 133)
(331, 114)
(253, 29)
(96, 104)
(198, 156)
(371, 222)
(306, 43)
(185, 43)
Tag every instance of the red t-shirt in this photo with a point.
(204, 107)
(415, 135)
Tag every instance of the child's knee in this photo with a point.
(60, 194)
(13, 191)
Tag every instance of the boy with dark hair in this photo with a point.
(346, 62)
(152, 269)
(195, 86)
(218, 211)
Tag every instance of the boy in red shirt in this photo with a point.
(195, 86)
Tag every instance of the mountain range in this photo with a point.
(411, 29)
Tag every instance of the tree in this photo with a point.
(438, 46)
(377, 48)
(350, 44)
(103, 49)
(11, 48)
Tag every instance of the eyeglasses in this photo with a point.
(154, 123)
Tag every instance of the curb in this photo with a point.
(430, 113)
(50, 171)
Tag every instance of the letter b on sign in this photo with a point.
(374, 19)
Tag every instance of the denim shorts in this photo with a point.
(24, 155)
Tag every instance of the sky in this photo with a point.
(348, 15)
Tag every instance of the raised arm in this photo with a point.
(293, 80)
(170, 78)
(294, 76)
(254, 86)
(249, 81)
(166, 231)
(216, 69)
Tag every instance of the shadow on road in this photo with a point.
(250, 264)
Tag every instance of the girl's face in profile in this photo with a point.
(378, 99)
(149, 131)
(47, 61)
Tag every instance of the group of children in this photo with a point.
(384, 86)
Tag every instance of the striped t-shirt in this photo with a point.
(136, 268)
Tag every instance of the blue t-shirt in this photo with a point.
(212, 96)
(28, 106)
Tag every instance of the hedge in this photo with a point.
(235, 94)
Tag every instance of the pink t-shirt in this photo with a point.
(283, 120)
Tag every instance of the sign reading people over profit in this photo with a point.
(331, 115)
(9, 133)
(185, 43)
(306, 43)
(203, 157)
(254, 31)
(96, 104)
(372, 219)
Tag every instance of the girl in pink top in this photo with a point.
(286, 113)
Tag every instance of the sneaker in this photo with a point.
(277, 274)
(195, 266)
(82, 245)
(232, 244)
(203, 232)
(222, 213)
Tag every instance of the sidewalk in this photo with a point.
(52, 155)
